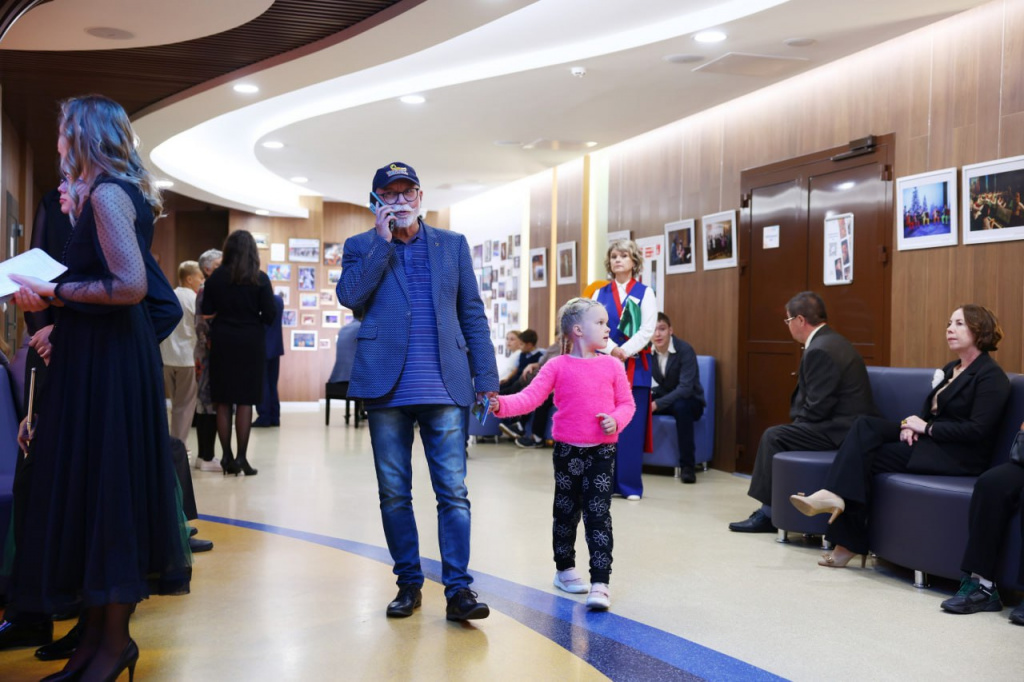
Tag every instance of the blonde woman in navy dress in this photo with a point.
(103, 521)
(625, 297)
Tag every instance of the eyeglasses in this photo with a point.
(789, 319)
(392, 197)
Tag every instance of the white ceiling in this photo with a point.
(62, 24)
(491, 70)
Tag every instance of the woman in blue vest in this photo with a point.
(632, 315)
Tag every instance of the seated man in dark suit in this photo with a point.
(676, 390)
(832, 391)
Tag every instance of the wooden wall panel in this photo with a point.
(538, 303)
(569, 228)
(953, 95)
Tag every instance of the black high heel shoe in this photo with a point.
(246, 468)
(129, 657)
(229, 464)
(65, 675)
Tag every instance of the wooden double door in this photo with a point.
(783, 249)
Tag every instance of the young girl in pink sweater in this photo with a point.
(595, 403)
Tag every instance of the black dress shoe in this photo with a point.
(14, 635)
(757, 523)
(409, 598)
(197, 545)
(1017, 615)
(192, 530)
(464, 606)
(687, 475)
(62, 648)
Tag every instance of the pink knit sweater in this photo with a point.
(583, 388)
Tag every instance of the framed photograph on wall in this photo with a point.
(653, 273)
(331, 318)
(308, 319)
(304, 250)
(616, 236)
(279, 272)
(304, 340)
(328, 297)
(262, 240)
(538, 268)
(307, 279)
(325, 344)
(309, 301)
(333, 277)
(332, 253)
(926, 210)
(838, 246)
(719, 231)
(285, 292)
(290, 318)
(566, 263)
(993, 210)
(679, 245)
(478, 256)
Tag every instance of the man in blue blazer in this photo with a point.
(424, 355)
(269, 409)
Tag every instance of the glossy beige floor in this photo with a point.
(267, 607)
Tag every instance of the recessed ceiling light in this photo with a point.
(590, 144)
(683, 58)
(261, 211)
(164, 184)
(246, 88)
(109, 33)
(800, 42)
(413, 99)
(300, 179)
(709, 37)
(273, 144)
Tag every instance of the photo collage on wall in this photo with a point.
(496, 263)
(305, 278)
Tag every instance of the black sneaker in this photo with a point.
(512, 429)
(973, 597)
(464, 606)
(529, 442)
(687, 475)
(1017, 615)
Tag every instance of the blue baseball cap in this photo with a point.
(392, 172)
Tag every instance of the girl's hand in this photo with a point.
(608, 424)
(26, 432)
(494, 404)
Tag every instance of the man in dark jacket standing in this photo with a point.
(832, 391)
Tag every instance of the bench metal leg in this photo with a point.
(825, 544)
(783, 537)
(920, 580)
(327, 419)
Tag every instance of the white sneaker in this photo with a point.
(600, 598)
(633, 498)
(570, 581)
(212, 465)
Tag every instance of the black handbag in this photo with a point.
(161, 302)
(1017, 449)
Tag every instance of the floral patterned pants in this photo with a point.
(584, 477)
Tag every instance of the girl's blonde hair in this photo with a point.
(100, 141)
(570, 315)
(625, 246)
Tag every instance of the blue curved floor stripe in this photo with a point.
(621, 648)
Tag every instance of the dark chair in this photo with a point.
(339, 391)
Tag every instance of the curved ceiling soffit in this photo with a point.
(13, 10)
(215, 160)
(63, 25)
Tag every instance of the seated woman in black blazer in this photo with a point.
(996, 500)
(953, 436)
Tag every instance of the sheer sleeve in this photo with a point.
(125, 282)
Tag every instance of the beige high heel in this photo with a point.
(840, 560)
(821, 502)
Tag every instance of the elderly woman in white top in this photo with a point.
(632, 315)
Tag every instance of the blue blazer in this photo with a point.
(373, 280)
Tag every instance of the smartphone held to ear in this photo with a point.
(375, 204)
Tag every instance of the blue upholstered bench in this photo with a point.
(918, 521)
(666, 443)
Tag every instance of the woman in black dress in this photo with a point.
(239, 301)
(104, 513)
